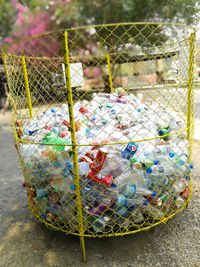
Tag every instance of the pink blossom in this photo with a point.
(8, 40)
(86, 72)
(96, 72)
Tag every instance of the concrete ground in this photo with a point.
(26, 243)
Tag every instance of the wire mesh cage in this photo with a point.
(103, 122)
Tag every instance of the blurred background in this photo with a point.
(29, 17)
(32, 17)
(19, 18)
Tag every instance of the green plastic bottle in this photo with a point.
(53, 139)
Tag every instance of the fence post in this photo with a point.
(109, 73)
(190, 115)
(27, 86)
(74, 143)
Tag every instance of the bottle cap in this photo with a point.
(106, 218)
(154, 193)
(191, 166)
(171, 154)
(133, 160)
(159, 202)
(109, 105)
(43, 216)
(72, 187)
(156, 161)
(149, 170)
(53, 110)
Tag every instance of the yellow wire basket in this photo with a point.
(103, 124)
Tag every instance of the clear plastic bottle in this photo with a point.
(100, 223)
(112, 165)
(153, 212)
(137, 200)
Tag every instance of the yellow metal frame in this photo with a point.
(190, 115)
(74, 144)
(25, 73)
(109, 73)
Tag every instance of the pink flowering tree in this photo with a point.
(36, 21)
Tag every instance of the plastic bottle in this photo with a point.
(179, 201)
(137, 216)
(129, 150)
(137, 200)
(112, 165)
(100, 223)
(153, 212)
(122, 217)
(179, 185)
(84, 169)
(53, 139)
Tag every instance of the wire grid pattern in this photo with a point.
(57, 195)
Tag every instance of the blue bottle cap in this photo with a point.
(113, 185)
(30, 132)
(149, 170)
(113, 111)
(146, 202)
(154, 193)
(131, 208)
(171, 154)
(72, 187)
(43, 216)
(53, 110)
(191, 166)
(156, 161)
(181, 162)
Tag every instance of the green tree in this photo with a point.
(7, 17)
(109, 11)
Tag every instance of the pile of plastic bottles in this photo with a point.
(123, 183)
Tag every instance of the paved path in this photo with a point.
(26, 243)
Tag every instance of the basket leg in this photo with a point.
(83, 249)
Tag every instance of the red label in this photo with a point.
(98, 161)
(86, 159)
(92, 153)
(83, 110)
(134, 148)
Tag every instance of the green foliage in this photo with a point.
(64, 14)
(109, 11)
(7, 17)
